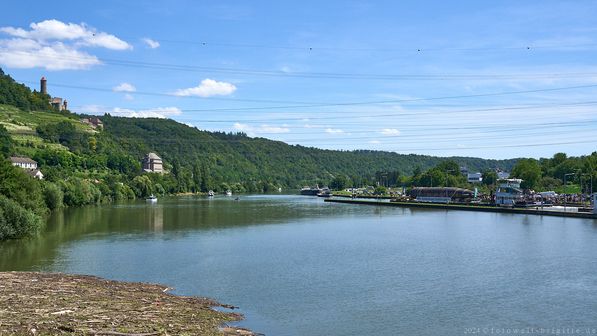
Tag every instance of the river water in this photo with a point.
(298, 266)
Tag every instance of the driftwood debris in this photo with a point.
(60, 304)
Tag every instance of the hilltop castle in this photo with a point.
(56, 102)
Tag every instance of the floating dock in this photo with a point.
(465, 207)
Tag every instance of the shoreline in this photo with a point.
(521, 211)
(37, 303)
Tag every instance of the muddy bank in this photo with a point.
(60, 304)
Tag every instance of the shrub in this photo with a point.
(53, 195)
(16, 221)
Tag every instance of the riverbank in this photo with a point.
(34, 303)
(462, 207)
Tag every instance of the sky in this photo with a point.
(490, 79)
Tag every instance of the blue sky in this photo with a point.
(489, 79)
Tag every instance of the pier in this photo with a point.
(466, 207)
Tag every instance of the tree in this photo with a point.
(142, 185)
(490, 177)
(16, 221)
(432, 178)
(449, 166)
(380, 190)
(21, 188)
(529, 171)
(6, 146)
(339, 182)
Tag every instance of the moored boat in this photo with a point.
(310, 191)
(325, 192)
(152, 198)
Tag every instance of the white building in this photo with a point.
(474, 177)
(28, 164)
(23, 162)
(36, 173)
(508, 192)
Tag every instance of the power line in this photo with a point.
(365, 115)
(391, 101)
(207, 43)
(544, 144)
(317, 75)
(430, 136)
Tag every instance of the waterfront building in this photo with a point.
(474, 177)
(152, 163)
(508, 192)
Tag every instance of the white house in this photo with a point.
(23, 162)
(28, 164)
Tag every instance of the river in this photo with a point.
(298, 266)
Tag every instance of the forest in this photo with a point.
(83, 165)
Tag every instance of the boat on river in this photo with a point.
(151, 199)
(228, 192)
(310, 191)
(325, 192)
(211, 193)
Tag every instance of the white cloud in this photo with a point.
(158, 112)
(314, 126)
(273, 129)
(390, 131)
(263, 129)
(57, 30)
(124, 87)
(55, 45)
(129, 96)
(91, 109)
(25, 53)
(208, 88)
(151, 43)
(334, 131)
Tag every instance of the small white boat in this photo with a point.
(152, 198)
(211, 193)
(228, 192)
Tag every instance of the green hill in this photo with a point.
(236, 157)
(196, 160)
(84, 165)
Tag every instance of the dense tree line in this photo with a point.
(19, 95)
(550, 173)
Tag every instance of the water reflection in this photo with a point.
(287, 259)
(155, 214)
